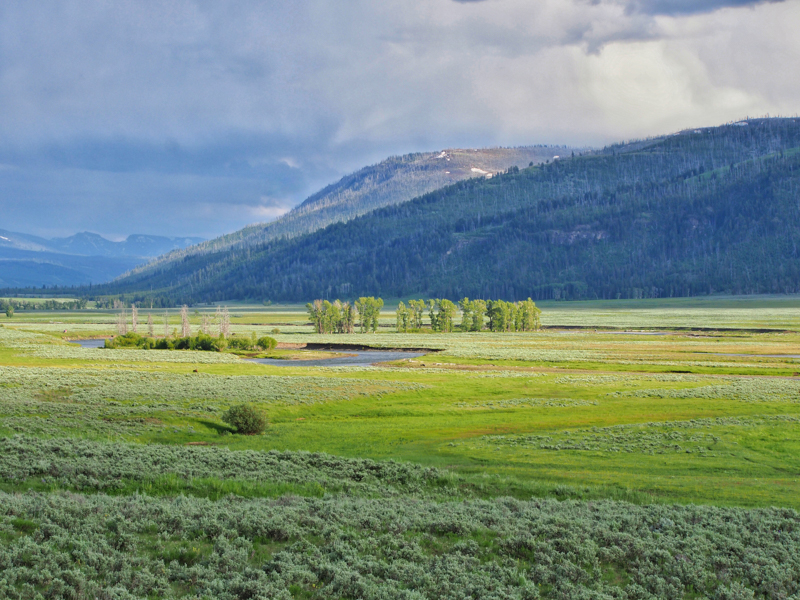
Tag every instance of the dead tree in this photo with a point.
(150, 331)
(186, 330)
(225, 324)
(166, 324)
(134, 317)
(122, 322)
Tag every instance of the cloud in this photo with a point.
(687, 7)
(146, 116)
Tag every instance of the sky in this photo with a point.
(200, 117)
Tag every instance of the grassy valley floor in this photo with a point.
(634, 449)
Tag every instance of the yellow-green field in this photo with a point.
(691, 401)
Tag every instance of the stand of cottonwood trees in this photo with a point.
(340, 317)
(502, 315)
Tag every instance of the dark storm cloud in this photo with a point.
(198, 117)
(687, 7)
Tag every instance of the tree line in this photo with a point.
(476, 315)
(9, 305)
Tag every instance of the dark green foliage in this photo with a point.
(695, 213)
(9, 306)
(200, 341)
(246, 418)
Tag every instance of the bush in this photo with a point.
(239, 343)
(129, 340)
(247, 419)
(267, 343)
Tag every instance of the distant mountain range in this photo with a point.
(714, 209)
(31, 261)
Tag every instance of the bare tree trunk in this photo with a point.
(150, 331)
(166, 324)
(204, 324)
(122, 322)
(218, 320)
(186, 330)
(225, 326)
(134, 317)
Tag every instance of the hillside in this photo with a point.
(31, 261)
(392, 181)
(703, 211)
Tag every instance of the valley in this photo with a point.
(657, 410)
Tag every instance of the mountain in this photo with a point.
(395, 180)
(706, 210)
(33, 269)
(31, 261)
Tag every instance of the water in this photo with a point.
(638, 332)
(90, 343)
(760, 355)
(362, 358)
(355, 358)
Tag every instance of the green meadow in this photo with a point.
(627, 450)
(682, 401)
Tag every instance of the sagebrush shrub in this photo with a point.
(247, 419)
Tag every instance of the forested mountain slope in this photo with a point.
(703, 211)
(392, 181)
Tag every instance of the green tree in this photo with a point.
(501, 315)
(472, 314)
(369, 310)
(377, 305)
(9, 311)
(446, 314)
(432, 306)
(315, 314)
(478, 313)
(417, 311)
(402, 317)
(530, 315)
(328, 321)
(466, 306)
(337, 322)
(348, 317)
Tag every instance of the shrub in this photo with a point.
(130, 340)
(239, 343)
(247, 419)
(267, 343)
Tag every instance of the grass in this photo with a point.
(482, 406)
